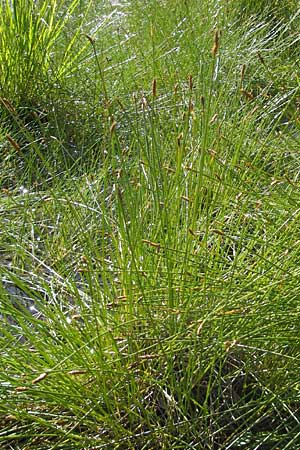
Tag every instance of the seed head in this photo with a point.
(202, 100)
(7, 104)
(154, 88)
(243, 70)
(179, 139)
(40, 378)
(112, 127)
(261, 59)
(13, 143)
(215, 47)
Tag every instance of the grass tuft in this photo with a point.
(149, 240)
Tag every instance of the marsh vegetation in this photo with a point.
(149, 171)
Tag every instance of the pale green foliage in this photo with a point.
(31, 34)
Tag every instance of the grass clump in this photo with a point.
(149, 295)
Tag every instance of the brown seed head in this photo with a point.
(191, 106)
(151, 244)
(261, 59)
(7, 104)
(21, 388)
(40, 378)
(243, 70)
(77, 372)
(112, 127)
(200, 326)
(154, 88)
(215, 47)
(202, 100)
(92, 40)
(179, 139)
(13, 143)
(247, 94)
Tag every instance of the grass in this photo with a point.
(150, 225)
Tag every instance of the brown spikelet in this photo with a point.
(247, 94)
(215, 47)
(186, 199)
(179, 139)
(13, 142)
(192, 233)
(154, 88)
(261, 59)
(7, 104)
(190, 82)
(219, 232)
(175, 88)
(151, 244)
(77, 372)
(243, 70)
(112, 127)
(191, 106)
(21, 388)
(202, 100)
(40, 378)
(200, 326)
(92, 40)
